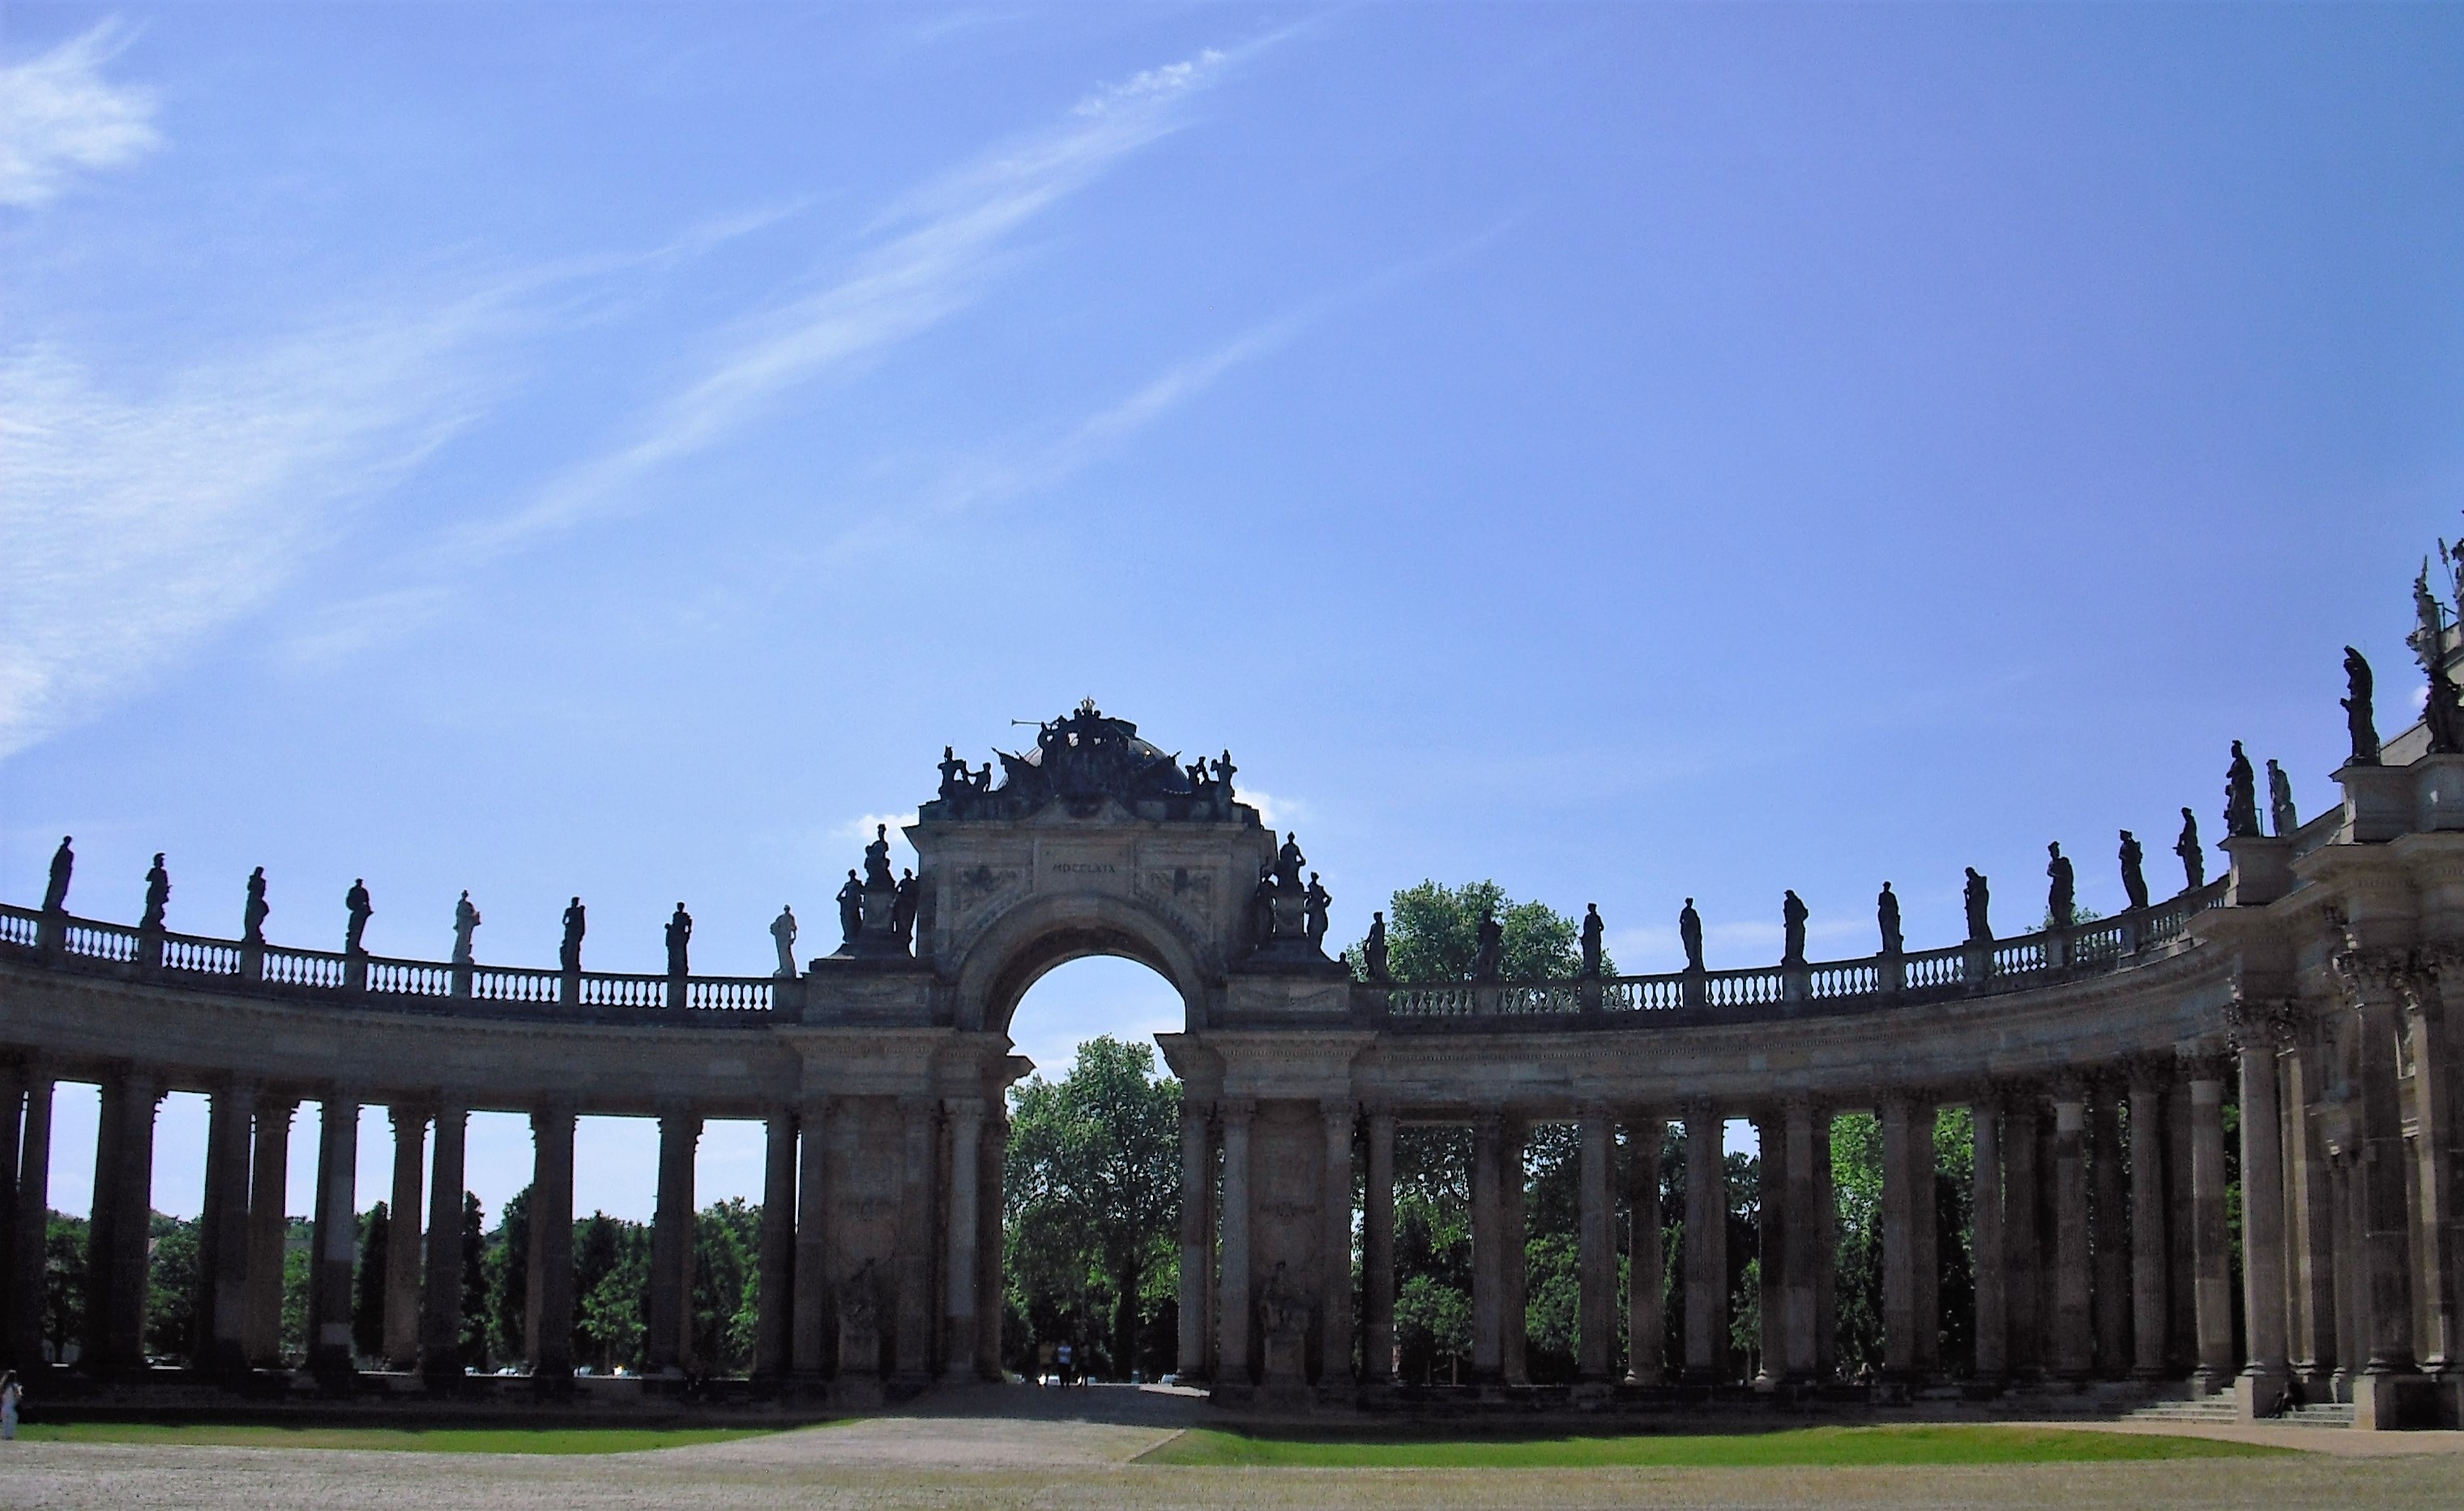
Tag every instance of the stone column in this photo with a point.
(2181, 1222)
(1595, 1246)
(2111, 1302)
(1826, 1246)
(1335, 1245)
(2384, 1291)
(1232, 1309)
(110, 1124)
(1802, 1240)
(667, 1347)
(401, 1236)
(123, 1262)
(2440, 1193)
(269, 1230)
(1377, 1251)
(2266, 1375)
(774, 1317)
(914, 1263)
(1197, 1194)
(2310, 1219)
(1927, 1240)
(440, 1332)
(1513, 1253)
(334, 1241)
(1770, 1249)
(31, 1218)
(1898, 1240)
(2022, 1244)
(1706, 1247)
(813, 1347)
(992, 1152)
(1989, 1261)
(2074, 1351)
(958, 1344)
(547, 1309)
(1646, 1338)
(1487, 1250)
(2214, 1292)
(222, 1231)
(2147, 1268)
(13, 1107)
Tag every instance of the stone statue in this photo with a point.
(2062, 898)
(1318, 901)
(1262, 906)
(876, 862)
(983, 780)
(860, 1301)
(1792, 921)
(568, 954)
(1886, 912)
(157, 894)
(902, 912)
(356, 903)
(2281, 816)
(2134, 881)
(466, 922)
(1490, 956)
(783, 933)
(1373, 949)
(2194, 861)
(1594, 931)
(953, 773)
(1223, 770)
(851, 909)
(1979, 900)
(2442, 713)
(252, 917)
(2241, 796)
(679, 937)
(1689, 933)
(1279, 1316)
(55, 895)
(2359, 721)
(1288, 862)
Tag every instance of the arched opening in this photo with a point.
(1090, 1205)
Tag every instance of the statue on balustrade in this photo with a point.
(466, 923)
(1594, 931)
(679, 937)
(55, 895)
(2444, 714)
(1373, 949)
(2241, 796)
(1490, 956)
(1979, 900)
(2359, 720)
(876, 862)
(1223, 770)
(1288, 862)
(568, 954)
(953, 773)
(158, 896)
(1886, 912)
(2134, 879)
(357, 904)
(1791, 922)
(1262, 907)
(2194, 861)
(1689, 933)
(850, 910)
(2062, 898)
(902, 912)
(252, 917)
(783, 933)
(2281, 814)
(1316, 901)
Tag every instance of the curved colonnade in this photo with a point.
(2308, 987)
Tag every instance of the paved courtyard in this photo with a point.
(1078, 1450)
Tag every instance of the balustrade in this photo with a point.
(728, 994)
(601, 989)
(1934, 970)
(490, 983)
(19, 926)
(95, 941)
(410, 978)
(200, 956)
(1847, 978)
(1741, 988)
(2020, 957)
(311, 969)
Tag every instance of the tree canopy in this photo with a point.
(1433, 933)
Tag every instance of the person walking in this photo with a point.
(1069, 1358)
(9, 1395)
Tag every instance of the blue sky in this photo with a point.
(1630, 452)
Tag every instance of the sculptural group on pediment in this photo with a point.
(1080, 761)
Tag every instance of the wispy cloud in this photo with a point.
(136, 523)
(59, 115)
(926, 257)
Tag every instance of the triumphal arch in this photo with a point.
(2306, 986)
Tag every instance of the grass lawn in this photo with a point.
(436, 1440)
(1806, 1445)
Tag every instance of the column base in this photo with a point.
(2259, 1395)
(2384, 1403)
(2210, 1382)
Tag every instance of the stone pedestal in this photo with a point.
(2260, 868)
(1286, 1359)
(2257, 1397)
(2378, 802)
(2385, 1403)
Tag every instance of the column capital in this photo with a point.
(1235, 1111)
(2148, 1072)
(964, 1109)
(2203, 1061)
(1346, 1110)
(2070, 1088)
(1699, 1109)
(2262, 1023)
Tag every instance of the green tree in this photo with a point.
(64, 1283)
(726, 1285)
(508, 1272)
(473, 1349)
(1093, 1196)
(1433, 933)
(174, 1281)
(368, 1284)
(299, 1256)
(611, 1272)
